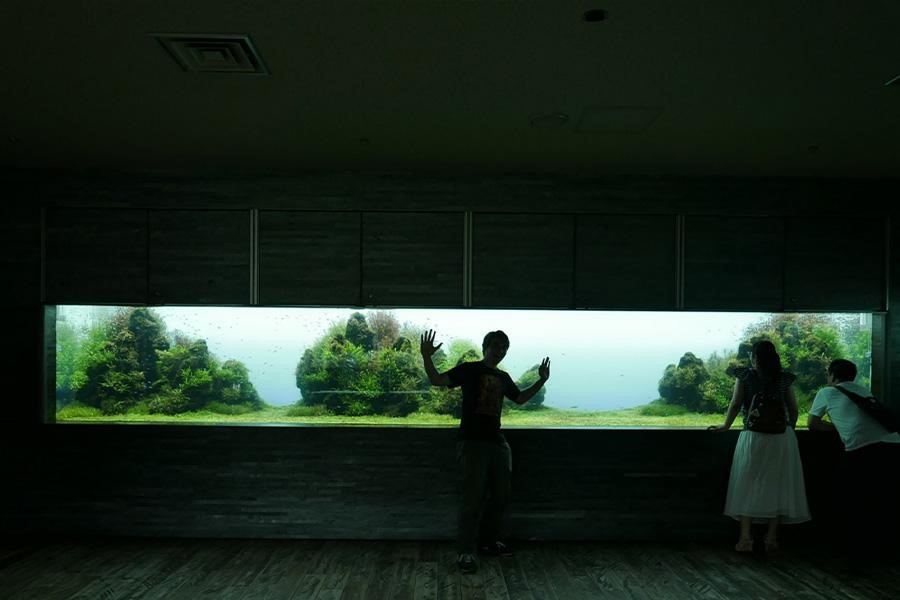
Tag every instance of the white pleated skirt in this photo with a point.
(767, 478)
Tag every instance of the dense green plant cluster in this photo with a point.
(129, 364)
(372, 366)
(806, 343)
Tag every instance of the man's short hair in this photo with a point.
(492, 335)
(842, 369)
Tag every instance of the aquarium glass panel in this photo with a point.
(326, 366)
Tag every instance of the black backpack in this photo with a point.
(766, 411)
(874, 408)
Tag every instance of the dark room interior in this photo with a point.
(675, 157)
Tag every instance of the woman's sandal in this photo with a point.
(771, 545)
(744, 545)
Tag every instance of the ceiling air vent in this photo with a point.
(616, 119)
(213, 52)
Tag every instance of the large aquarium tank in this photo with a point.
(327, 366)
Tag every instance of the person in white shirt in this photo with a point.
(867, 479)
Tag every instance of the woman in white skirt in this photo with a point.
(766, 483)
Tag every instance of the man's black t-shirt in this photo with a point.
(483, 389)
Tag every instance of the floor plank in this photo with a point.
(516, 582)
(681, 567)
(129, 569)
(279, 578)
(492, 580)
(577, 559)
(535, 575)
(448, 576)
(425, 587)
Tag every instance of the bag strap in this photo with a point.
(857, 399)
(873, 408)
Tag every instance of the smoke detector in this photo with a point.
(213, 52)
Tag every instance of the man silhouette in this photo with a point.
(483, 456)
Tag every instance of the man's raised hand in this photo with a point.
(426, 343)
(544, 369)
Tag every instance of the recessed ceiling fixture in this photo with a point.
(213, 52)
(594, 15)
(894, 81)
(549, 121)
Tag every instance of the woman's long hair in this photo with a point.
(768, 363)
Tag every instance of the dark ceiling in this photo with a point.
(661, 87)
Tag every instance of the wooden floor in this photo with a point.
(256, 569)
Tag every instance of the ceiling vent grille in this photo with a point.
(616, 119)
(213, 52)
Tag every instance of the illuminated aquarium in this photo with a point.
(326, 366)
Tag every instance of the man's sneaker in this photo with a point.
(466, 563)
(495, 549)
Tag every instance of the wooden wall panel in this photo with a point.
(521, 260)
(891, 389)
(20, 255)
(200, 256)
(412, 259)
(625, 262)
(733, 263)
(378, 483)
(835, 264)
(22, 356)
(454, 191)
(309, 258)
(96, 256)
(20, 265)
